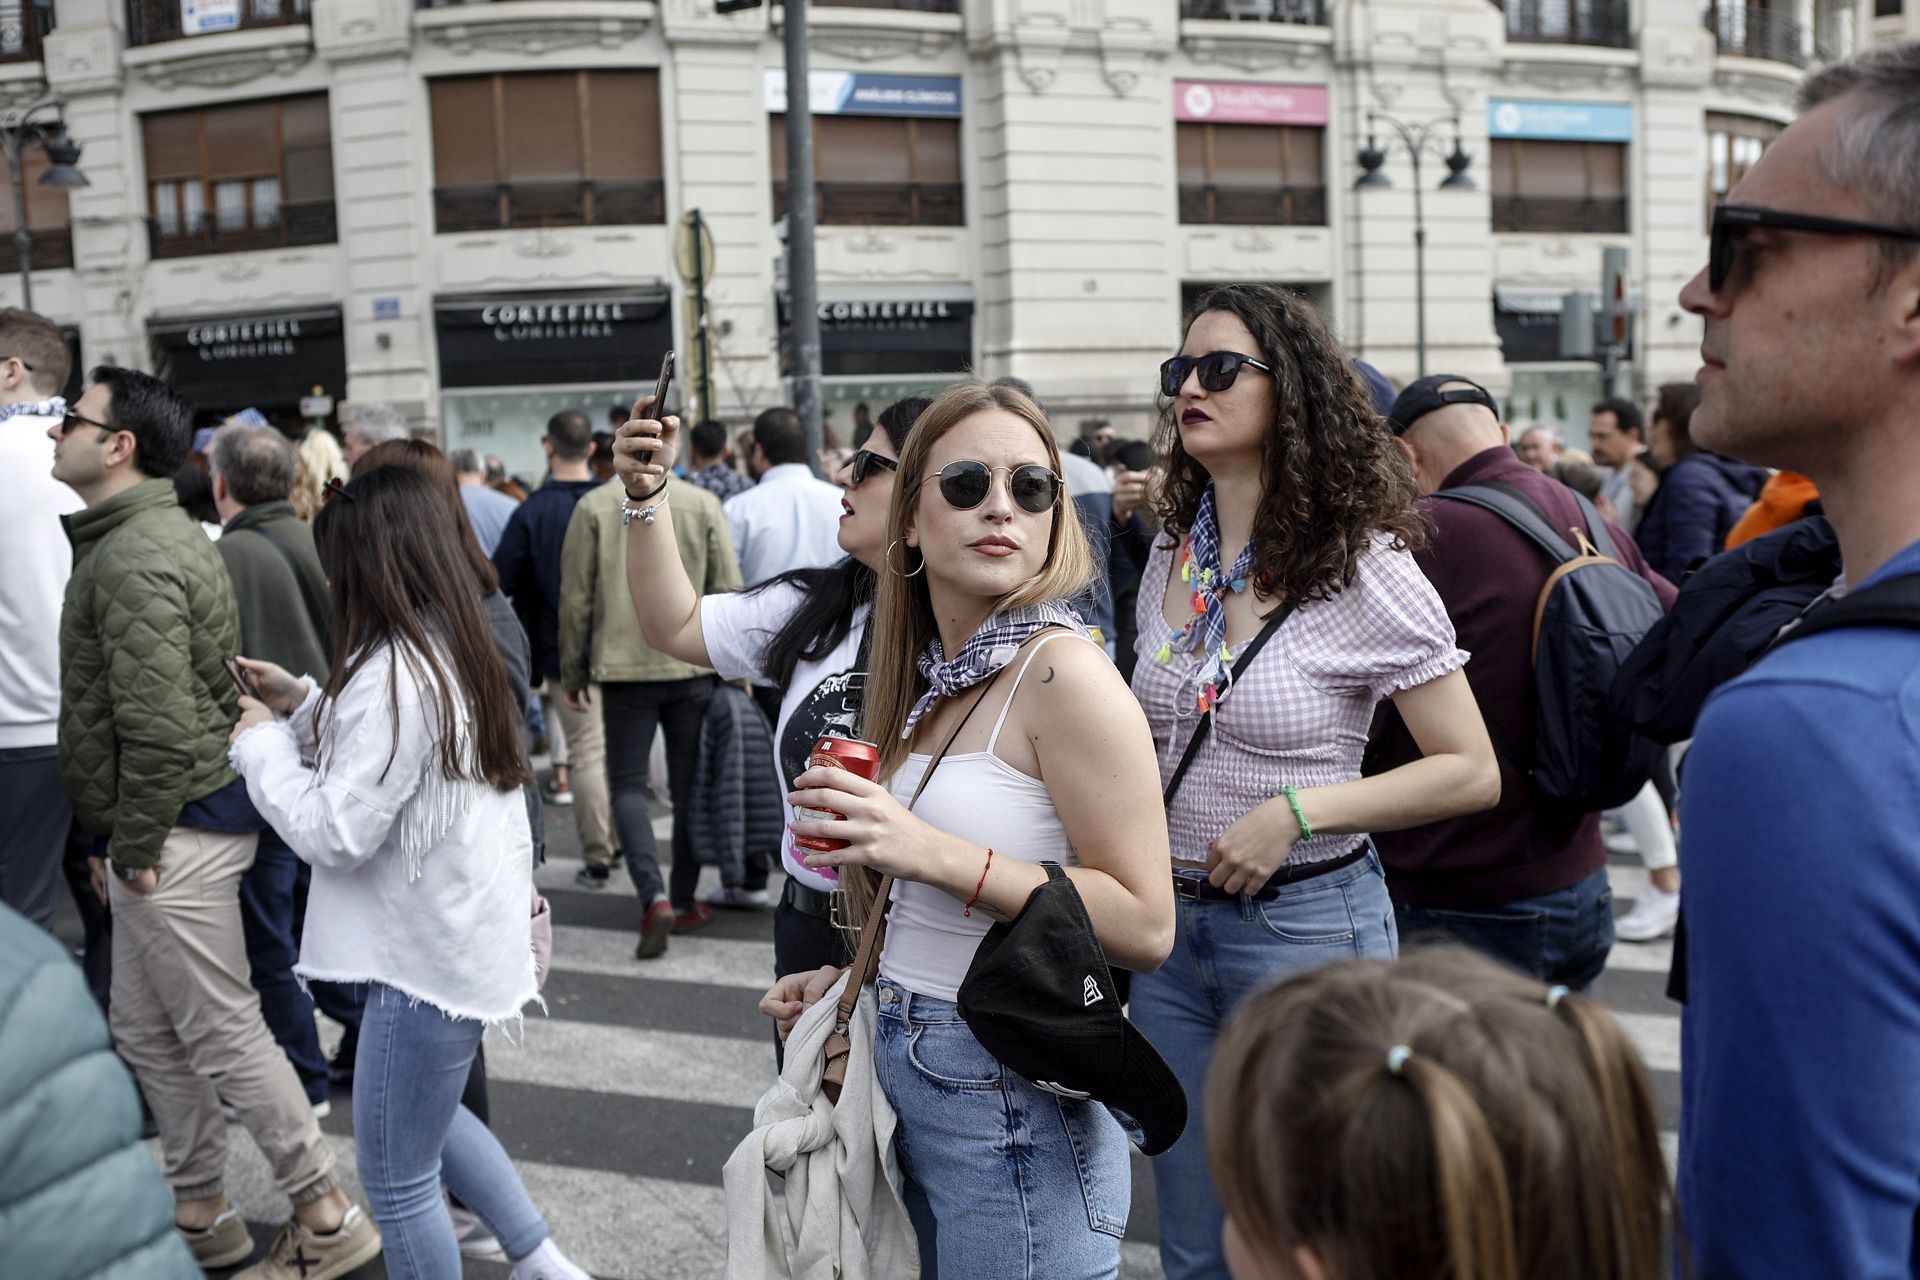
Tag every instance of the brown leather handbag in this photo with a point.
(866, 960)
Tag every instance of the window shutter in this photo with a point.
(623, 125)
(861, 149)
(1607, 169)
(1190, 148)
(1248, 155)
(937, 151)
(306, 135)
(1304, 163)
(243, 141)
(541, 125)
(463, 123)
(173, 145)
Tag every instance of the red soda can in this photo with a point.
(862, 758)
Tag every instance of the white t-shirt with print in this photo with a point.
(822, 698)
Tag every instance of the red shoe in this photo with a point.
(655, 927)
(698, 918)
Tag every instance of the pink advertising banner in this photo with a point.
(1233, 102)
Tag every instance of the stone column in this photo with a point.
(1677, 66)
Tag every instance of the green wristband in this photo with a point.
(1299, 816)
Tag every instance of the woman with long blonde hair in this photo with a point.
(1052, 761)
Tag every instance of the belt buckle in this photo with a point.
(836, 913)
(1187, 887)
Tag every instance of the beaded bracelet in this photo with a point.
(968, 909)
(1299, 816)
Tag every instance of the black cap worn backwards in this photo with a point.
(1040, 998)
(1424, 396)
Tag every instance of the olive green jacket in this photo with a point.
(600, 637)
(145, 705)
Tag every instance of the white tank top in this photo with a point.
(979, 797)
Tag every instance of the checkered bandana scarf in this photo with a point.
(1209, 591)
(986, 651)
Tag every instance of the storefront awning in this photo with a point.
(602, 336)
(263, 359)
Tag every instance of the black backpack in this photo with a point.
(1729, 612)
(1591, 613)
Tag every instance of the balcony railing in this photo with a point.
(52, 249)
(572, 203)
(1562, 214)
(1590, 22)
(882, 204)
(1753, 31)
(1306, 13)
(308, 222)
(154, 21)
(1254, 206)
(20, 36)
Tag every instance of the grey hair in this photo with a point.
(377, 423)
(1553, 433)
(257, 463)
(1875, 152)
(467, 462)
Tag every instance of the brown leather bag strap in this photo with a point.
(866, 961)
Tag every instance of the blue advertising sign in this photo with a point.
(1560, 121)
(858, 93)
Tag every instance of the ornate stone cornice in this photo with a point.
(220, 61)
(535, 26)
(1255, 46)
(879, 35)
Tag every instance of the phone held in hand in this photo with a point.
(242, 684)
(660, 389)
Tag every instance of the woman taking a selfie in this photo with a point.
(1288, 517)
(981, 554)
(412, 820)
(804, 632)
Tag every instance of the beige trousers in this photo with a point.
(187, 1020)
(587, 775)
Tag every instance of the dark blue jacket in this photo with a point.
(528, 559)
(1693, 510)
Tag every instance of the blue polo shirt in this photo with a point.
(1800, 1080)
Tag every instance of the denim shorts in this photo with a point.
(1004, 1181)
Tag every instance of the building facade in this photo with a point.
(474, 209)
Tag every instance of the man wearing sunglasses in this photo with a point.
(1800, 1106)
(33, 368)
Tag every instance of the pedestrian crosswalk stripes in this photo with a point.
(621, 1103)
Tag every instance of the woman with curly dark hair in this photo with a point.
(1280, 608)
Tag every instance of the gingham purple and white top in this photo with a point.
(1301, 713)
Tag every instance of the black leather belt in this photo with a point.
(807, 900)
(1196, 888)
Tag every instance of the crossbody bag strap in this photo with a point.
(1206, 721)
(866, 960)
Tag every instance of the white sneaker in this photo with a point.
(738, 899)
(1653, 916)
(547, 1263)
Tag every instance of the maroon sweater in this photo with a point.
(1490, 577)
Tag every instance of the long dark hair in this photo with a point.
(431, 465)
(1330, 476)
(397, 577)
(829, 596)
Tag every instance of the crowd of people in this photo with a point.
(1207, 728)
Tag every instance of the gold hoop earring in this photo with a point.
(903, 573)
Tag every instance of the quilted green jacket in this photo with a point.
(145, 706)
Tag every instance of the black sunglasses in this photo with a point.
(1731, 222)
(1217, 371)
(72, 420)
(862, 465)
(1032, 487)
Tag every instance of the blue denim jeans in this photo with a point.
(1004, 1181)
(267, 895)
(1224, 952)
(1558, 937)
(411, 1132)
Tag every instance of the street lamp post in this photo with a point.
(1416, 139)
(19, 130)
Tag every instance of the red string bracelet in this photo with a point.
(968, 909)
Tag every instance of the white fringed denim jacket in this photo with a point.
(420, 881)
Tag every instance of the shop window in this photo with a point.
(47, 218)
(547, 149)
(1734, 143)
(253, 175)
(878, 171)
(1558, 186)
(1251, 174)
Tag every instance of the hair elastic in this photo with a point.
(1555, 994)
(1397, 1058)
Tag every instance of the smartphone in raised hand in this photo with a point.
(242, 684)
(660, 389)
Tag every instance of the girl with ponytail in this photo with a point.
(1436, 1117)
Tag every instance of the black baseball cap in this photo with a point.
(1424, 396)
(1040, 997)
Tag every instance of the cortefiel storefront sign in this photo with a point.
(1236, 102)
(894, 336)
(1560, 121)
(858, 93)
(263, 359)
(551, 339)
